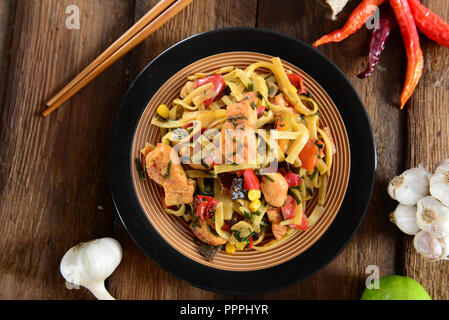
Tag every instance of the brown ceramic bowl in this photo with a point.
(177, 233)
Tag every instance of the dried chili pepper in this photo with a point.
(378, 40)
(429, 23)
(356, 20)
(410, 37)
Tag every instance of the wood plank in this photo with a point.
(140, 278)
(377, 242)
(7, 13)
(53, 186)
(427, 143)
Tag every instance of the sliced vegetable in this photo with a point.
(308, 155)
(293, 179)
(237, 191)
(260, 111)
(219, 85)
(289, 208)
(204, 206)
(298, 82)
(250, 243)
(251, 182)
(139, 169)
(303, 226)
(207, 251)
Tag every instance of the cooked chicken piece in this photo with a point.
(274, 188)
(275, 217)
(238, 132)
(279, 100)
(164, 167)
(204, 231)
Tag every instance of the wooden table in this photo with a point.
(53, 187)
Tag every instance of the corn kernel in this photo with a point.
(255, 205)
(230, 248)
(163, 111)
(254, 195)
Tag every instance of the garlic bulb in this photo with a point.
(439, 182)
(404, 217)
(432, 216)
(410, 186)
(90, 263)
(430, 247)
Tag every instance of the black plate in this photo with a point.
(361, 181)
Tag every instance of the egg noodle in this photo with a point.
(275, 137)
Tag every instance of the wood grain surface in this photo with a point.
(53, 187)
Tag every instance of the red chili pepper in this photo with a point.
(410, 37)
(260, 111)
(303, 226)
(289, 209)
(356, 20)
(219, 85)
(204, 206)
(378, 40)
(298, 82)
(250, 180)
(429, 23)
(293, 179)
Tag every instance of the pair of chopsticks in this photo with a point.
(149, 23)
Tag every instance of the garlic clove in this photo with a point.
(409, 187)
(442, 166)
(427, 246)
(430, 247)
(433, 216)
(88, 264)
(404, 217)
(439, 182)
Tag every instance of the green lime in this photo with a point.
(396, 288)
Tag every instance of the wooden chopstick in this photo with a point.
(148, 24)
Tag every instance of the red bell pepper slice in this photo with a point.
(308, 155)
(297, 81)
(303, 226)
(289, 209)
(219, 85)
(250, 245)
(204, 206)
(293, 179)
(260, 111)
(250, 180)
